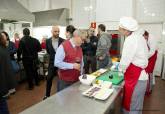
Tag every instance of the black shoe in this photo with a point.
(7, 96)
(37, 84)
(45, 97)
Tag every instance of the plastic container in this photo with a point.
(88, 81)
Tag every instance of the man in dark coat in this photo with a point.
(29, 48)
(51, 47)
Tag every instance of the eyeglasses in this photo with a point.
(56, 31)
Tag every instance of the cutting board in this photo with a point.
(116, 80)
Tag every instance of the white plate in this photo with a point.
(102, 70)
(103, 94)
(89, 92)
(98, 92)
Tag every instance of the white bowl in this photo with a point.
(87, 81)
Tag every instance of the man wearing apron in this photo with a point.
(133, 62)
(152, 55)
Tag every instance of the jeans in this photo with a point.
(61, 84)
(3, 106)
(103, 63)
(89, 62)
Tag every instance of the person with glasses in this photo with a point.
(69, 60)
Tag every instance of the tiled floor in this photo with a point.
(154, 104)
(24, 98)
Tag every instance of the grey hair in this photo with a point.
(80, 33)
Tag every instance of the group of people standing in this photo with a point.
(27, 50)
(83, 52)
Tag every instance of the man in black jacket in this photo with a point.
(29, 48)
(51, 47)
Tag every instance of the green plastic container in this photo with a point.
(116, 80)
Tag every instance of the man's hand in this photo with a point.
(76, 66)
(100, 58)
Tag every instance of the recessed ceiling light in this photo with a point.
(163, 32)
(153, 14)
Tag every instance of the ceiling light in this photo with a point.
(153, 14)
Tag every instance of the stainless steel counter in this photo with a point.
(71, 101)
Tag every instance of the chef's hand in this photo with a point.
(100, 58)
(94, 43)
(76, 66)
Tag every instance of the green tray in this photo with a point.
(116, 80)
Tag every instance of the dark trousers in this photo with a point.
(52, 71)
(104, 63)
(31, 73)
(89, 62)
(61, 84)
(3, 106)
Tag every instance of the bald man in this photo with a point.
(51, 48)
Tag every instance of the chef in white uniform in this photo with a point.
(152, 57)
(133, 62)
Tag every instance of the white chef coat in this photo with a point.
(135, 51)
(152, 43)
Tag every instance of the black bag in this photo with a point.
(15, 66)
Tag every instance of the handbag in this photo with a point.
(15, 66)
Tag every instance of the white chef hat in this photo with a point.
(128, 23)
(141, 31)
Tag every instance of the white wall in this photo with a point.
(11, 29)
(39, 32)
(109, 12)
(113, 10)
(43, 5)
(56, 4)
(156, 30)
(25, 3)
(81, 13)
(150, 11)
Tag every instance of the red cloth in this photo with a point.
(151, 63)
(72, 55)
(131, 77)
(43, 45)
(149, 69)
(17, 43)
